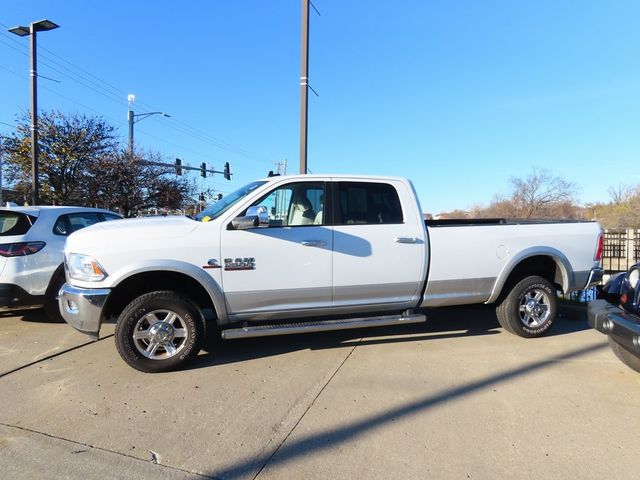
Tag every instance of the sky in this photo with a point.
(460, 96)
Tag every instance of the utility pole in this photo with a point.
(281, 167)
(304, 86)
(130, 99)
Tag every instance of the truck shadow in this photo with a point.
(442, 323)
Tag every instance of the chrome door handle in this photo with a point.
(313, 243)
(406, 240)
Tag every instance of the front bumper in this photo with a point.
(611, 320)
(82, 308)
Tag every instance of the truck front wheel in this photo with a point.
(530, 307)
(159, 331)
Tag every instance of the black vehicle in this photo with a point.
(616, 313)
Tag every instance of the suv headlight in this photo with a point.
(634, 276)
(84, 268)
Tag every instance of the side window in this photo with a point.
(60, 227)
(72, 222)
(110, 216)
(15, 223)
(295, 204)
(368, 203)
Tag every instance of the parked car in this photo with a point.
(617, 314)
(32, 241)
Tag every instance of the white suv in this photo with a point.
(32, 243)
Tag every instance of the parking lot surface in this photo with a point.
(456, 398)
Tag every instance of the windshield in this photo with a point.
(214, 211)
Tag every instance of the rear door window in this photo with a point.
(15, 223)
(368, 203)
(72, 222)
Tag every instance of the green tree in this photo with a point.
(69, 144)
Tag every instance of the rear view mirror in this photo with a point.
(257, 216)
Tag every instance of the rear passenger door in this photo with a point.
(378, 247)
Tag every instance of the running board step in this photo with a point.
(320, 326)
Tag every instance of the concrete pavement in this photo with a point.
(457, 398)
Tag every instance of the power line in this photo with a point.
(13, 72)
(113, 95)
(14, 48)
(186, 128)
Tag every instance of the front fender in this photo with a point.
(208, 282)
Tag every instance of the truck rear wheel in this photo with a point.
(530, 307)
(625, 356)
(159, 331)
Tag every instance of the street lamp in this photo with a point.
(136, 117)
(33, 29)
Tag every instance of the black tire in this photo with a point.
(172, 342)
(529, 309)
(626, 356)
(51, 308)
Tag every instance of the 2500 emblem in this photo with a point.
(247, 263)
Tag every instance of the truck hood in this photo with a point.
(130, 232)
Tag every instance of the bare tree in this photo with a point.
(538, 195)
(135, 183)
(622, 193)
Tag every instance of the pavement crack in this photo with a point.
(311, 404)
(53, 355)
(85, 447)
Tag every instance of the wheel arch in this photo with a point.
(196, 285)
(546, 262)
(58, 273)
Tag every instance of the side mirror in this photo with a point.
(257, 216)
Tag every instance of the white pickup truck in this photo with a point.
(312, 253)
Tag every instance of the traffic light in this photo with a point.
(203, 170)
(178, 166)
(227, 171)
(201, 197)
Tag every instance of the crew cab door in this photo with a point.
(379, 246)
(284, 268)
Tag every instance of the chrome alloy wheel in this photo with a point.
(160, 334)
(534, 308)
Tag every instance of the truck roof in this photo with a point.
(338, 176)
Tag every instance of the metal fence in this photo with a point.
(621, 249)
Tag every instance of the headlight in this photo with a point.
(85, 268)
(634, 276)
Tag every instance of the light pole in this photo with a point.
(136, 117)
(33, 29)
